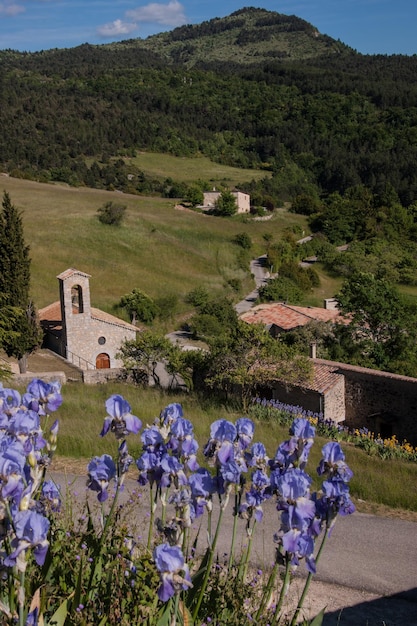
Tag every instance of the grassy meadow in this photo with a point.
(188, 170)
(159, 248)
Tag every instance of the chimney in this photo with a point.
(313, 350)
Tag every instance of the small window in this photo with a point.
(102, 341)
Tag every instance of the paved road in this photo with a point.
(260, 273)
(365, 552)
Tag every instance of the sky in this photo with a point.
(368, 26)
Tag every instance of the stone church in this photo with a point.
(85, 336)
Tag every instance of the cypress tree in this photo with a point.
(14, 257)
(24, 335)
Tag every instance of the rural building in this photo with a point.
(86, 336)
(279, 317)
(242, 200)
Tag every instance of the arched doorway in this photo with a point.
(102, 361)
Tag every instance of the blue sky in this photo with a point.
(368, 26)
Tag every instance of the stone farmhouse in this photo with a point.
(242, 200)
(85, 336)
(383, 402)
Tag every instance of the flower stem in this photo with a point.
(307, 583)
(245, 562)
(284, 590)
(268, 589)
(235, 516)
(21, 599)
(208, 566)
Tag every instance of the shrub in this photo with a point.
(111, 213)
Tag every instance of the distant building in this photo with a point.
(86, 336)
(242, 200)
(279, 317)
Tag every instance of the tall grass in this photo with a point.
(158, 249)
(392, 483)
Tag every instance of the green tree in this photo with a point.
(226, 204)
(252, 359)
(383, 327)
(141, 357)
(139, 306)
(194, 195)
(112, 213)
(24, 333)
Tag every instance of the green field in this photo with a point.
(160, 249)
(188, 170)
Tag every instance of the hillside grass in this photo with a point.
(158, 248)
(376, 482)
(189, 170)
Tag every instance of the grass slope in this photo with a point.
(159, 249)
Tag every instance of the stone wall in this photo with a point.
(384, 403)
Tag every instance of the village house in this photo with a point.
(279, 317)
(242, 200)
(85, 336)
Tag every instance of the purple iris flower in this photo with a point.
(10, 400)
(46, 395)
(119, 418)
(24, 423)
(293, 484)
(170, 414)
(245, 429)
(32, 618)
(255, 496)
(181, 428)
(51, 495)
(31, 530)
(100, 472)
(173, 571)
(299, 545)
(257, 456)
(149, 466)
(333, 462)
(172, 472)
(302, 429)
(298, 509)
(151, 438)
(231, 473)
(336, 496)
(12, 468)
(202, 486)
(223, 430)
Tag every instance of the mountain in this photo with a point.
(248, 36)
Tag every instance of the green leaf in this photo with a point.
(318, 620)
(60, 615)
(165, 619)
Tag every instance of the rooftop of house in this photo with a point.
(288, 316)
(52, 314)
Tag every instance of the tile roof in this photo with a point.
(288, 316)
(52, 313)
(324, 378)
(70, 272)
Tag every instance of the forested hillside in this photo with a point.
(322, 120)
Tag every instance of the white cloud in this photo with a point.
(11, 8)
(171, 14)
(116, 28)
